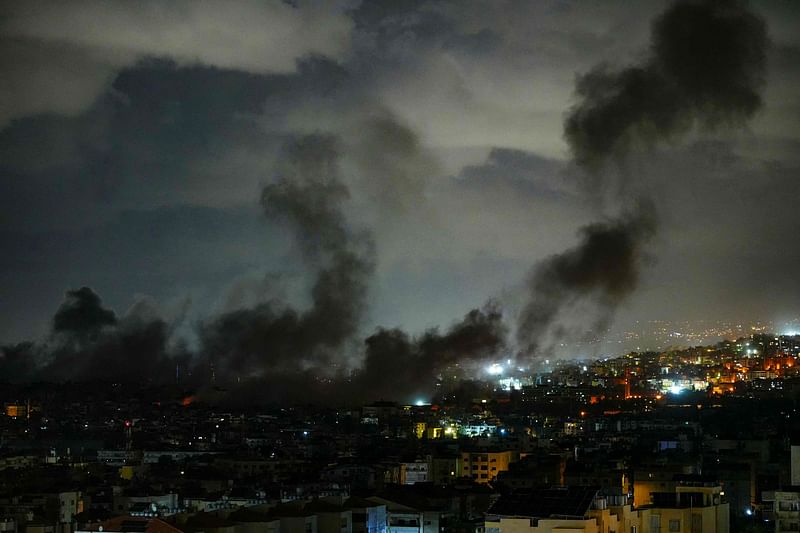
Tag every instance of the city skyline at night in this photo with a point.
(399, 266)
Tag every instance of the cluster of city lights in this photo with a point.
(495, 369)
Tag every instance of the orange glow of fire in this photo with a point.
(189, 400)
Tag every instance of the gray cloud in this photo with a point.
(98, 39)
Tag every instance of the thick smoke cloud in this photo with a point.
(408, 368)
(602, 269)
(82, 315)
(274, 351)
(706, 67)
(285, 354)
(18, 362)
(88, 342)
(395, 166)
(308, 198)
(136, 350)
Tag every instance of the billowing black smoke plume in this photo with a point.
(407, 368)
(268, 342)
(18, 362)
(88, 341)
(602, 270)
(272, 351)
(275, 339)
(81, 318)
(706, 67)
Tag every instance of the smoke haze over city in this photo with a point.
(345, 199)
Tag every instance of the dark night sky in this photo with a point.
(135, 140)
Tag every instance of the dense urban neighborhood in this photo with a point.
(698, 440)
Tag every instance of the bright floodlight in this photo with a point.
(420, 403)
(494, 369)
(675, 389)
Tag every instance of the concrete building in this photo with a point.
(553, 510)
(368, 516)
(132, 524)
(407, 518)
(294, 519)
(694, 507)
(651, 478)
(787, 510)
(70, 503)
(248, 521)
(484, 466)
(356, 476)
(477, 430)
(8, 525)
(691, 508)
(165, 503)
(19, 461)
(537, 470)
(416, 472)
(118, 457)
(443, 469)
(381, 410)
(331, 518)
